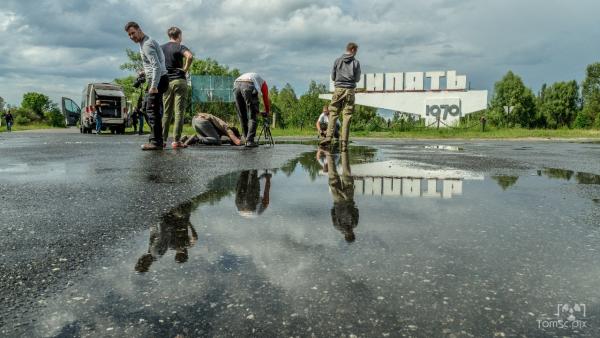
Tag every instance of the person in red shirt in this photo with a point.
(246, 89)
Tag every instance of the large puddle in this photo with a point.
(352, 244)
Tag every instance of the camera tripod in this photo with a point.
(266, 132)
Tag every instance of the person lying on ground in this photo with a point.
(210, 129)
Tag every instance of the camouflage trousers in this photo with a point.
(341, 102)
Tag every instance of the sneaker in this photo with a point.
(178, 145)
(151, 146)
(251, 144)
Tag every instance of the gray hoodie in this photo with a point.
(346, 71)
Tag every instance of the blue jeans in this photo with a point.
(9, 126)
(141, 122)
(98, 124)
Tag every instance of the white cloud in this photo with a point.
(296, 41)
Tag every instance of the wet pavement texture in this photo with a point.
(426, 239)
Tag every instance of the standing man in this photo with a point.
(245, 91)
(178, 60)
(158, 82)
(345, 73)
(98, 117)
(9, 120)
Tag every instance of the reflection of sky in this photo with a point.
(417, 264)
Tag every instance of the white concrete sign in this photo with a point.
(433, 95)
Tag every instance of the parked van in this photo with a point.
(115, 111)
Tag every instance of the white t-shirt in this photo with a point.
(325, 119)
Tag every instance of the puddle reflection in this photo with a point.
(563, 174)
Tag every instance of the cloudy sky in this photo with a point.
(57, 46)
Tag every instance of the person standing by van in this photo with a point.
(98, 117)
(345, 73)
(178, 60)
(153, 60)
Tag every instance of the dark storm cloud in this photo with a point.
(71, 42)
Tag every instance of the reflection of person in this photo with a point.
(178, 60)
(209, 130)
(174, 232)
(344, 213)
(245, 91)
(153, 60)
(247, 198)
(345, 73)
(98, 116)
(323, 122)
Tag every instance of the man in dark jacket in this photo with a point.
(345, 73)
(9, 121)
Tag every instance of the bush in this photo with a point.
(22, 120)
(24, 116)
(55, 118)
(582, 120)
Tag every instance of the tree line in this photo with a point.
(35, 108)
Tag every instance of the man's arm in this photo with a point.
(357, 72)
(189, 57)
(152, 54)
(265, 94)
(334, 70)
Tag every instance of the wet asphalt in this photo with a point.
(66, 198)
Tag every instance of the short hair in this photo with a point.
(131, 24)
(174, 32)
(351, 45)
(326, 107)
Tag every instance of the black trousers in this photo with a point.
(154, 111)
(246, 104)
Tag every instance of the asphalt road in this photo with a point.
(67, 198)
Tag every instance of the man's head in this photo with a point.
(352, 48)
(174, 34)
(326, 110)
(134, 31)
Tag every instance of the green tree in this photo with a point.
(510, 91)
(134, 62)
(366, 118)
(310, 105)
(590, 114)
(37, 103)
(559, 104)
(286, 102)
(2, 104)
(212, 67)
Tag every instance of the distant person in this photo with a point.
(9, 120)
(344, 213)
(210, 129)
(345, 73)
(247, 198)
(155, 70)
(134, 120)
(246, 89)
(323, 122)
(178, 60)
(174, 232)
(98, 116)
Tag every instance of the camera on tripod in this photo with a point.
(141, 79)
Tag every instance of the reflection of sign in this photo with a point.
(408, 187)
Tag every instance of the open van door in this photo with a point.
(70, 110)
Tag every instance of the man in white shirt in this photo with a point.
(323, 122)
(245, 92)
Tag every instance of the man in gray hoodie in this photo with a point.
(346, 73)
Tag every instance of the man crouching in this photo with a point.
(210, 129)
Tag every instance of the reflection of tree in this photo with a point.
(558, 173)
(587, 178)
(311, 165)
(505, 181)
